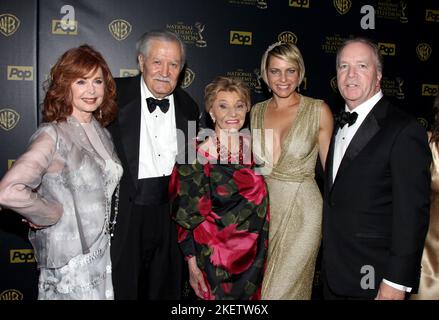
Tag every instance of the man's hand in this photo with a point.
(387, 292)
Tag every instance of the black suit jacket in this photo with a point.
(375, 213)
(126, 135)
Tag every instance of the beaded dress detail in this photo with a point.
(65, 182)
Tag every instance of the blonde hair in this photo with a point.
(226, 84)
(285, 51)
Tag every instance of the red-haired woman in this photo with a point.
(64, 183)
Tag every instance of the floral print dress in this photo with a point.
(222, 213)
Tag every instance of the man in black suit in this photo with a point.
(146, 259)
(376, 202)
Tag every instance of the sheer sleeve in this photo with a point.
(18, 186)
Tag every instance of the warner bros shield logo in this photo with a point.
(120, 29)
(8, 24)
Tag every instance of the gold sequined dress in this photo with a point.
(295, 202)
(429, 283)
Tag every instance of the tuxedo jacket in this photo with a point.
(375, 212)
(126, 136)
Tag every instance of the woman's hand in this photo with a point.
(196, 279)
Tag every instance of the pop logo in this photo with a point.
(432, 15)
(128, 73)
(387, 49)
(10, 163)
(299, 3)
(21, 256)
(20, 73)
(59, 27)
(430, 90)
(241, 38)
(67, 25)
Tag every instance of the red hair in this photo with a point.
(73, 64)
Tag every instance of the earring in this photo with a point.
(100, 113)
(213, 118)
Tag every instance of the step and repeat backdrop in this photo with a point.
(223, 37)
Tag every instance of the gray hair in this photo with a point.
(144, 42)
(367, 42)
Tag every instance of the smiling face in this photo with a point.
(87, 95)
(282, 77)
(161, 67)
(358, 77)
(228, 111)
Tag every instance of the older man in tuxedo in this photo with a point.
(153, 112)
(376, 200)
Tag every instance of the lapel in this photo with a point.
(364, 134)
(330, 159)
(181, 120)
(129, 120)
(129, 126)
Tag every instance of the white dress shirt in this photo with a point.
(343, 139)
(345, 134)
(158, 138)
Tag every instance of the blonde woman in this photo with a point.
(301, 129)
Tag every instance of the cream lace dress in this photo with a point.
(65, 181)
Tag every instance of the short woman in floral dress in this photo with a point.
(221, 203)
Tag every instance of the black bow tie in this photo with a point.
(346, 117)
(153, 103)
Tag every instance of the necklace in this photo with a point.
(224, 153)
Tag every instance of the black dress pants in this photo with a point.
(150, 267)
